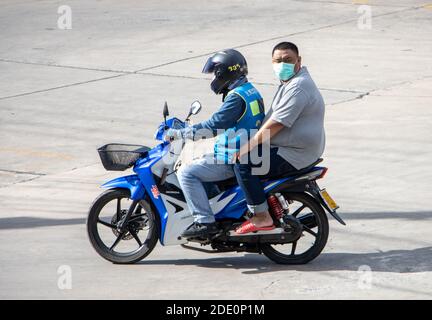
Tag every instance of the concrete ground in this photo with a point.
(63, 93)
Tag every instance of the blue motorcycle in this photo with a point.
(126, 221)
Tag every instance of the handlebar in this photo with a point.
(172, 123)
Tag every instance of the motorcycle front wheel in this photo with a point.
(126, 247)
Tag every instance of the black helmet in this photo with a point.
(227, 66)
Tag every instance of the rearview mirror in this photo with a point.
(165, 110)
(195, 107)
(165, 113)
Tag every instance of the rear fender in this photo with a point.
(290, 185)
(314, 190)
(310, 187)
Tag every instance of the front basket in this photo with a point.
(119, 157)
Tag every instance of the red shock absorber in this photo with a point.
(275, 207)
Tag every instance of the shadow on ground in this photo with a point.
(33, 222)
(397, 261)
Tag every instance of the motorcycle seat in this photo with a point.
(225, 184)
(295, 173)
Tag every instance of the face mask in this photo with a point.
(283, 70)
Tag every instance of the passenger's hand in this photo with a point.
(235, 157)
(244, 150)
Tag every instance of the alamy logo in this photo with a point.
(364, 22)
(64, 281)
(64, 22)
(365, 278)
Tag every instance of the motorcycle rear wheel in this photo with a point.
(317, 220)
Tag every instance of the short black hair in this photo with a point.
(286, 46)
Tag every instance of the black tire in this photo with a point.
(320, 240)
(104, 251)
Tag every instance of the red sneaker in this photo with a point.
(248, 226)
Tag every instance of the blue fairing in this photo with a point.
(143, 169)
(237, 206)
(132, 183)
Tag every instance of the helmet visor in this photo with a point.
(209, 67)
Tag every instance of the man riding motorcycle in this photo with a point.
(242, 109)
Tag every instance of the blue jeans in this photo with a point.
(191, 178)
(251, 184)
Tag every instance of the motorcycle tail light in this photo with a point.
(323, 173)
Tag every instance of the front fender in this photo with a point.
(132, 183)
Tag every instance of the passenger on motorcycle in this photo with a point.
(295, 122)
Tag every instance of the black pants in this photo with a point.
(251, 184)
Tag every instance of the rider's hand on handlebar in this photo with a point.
(173, 134)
